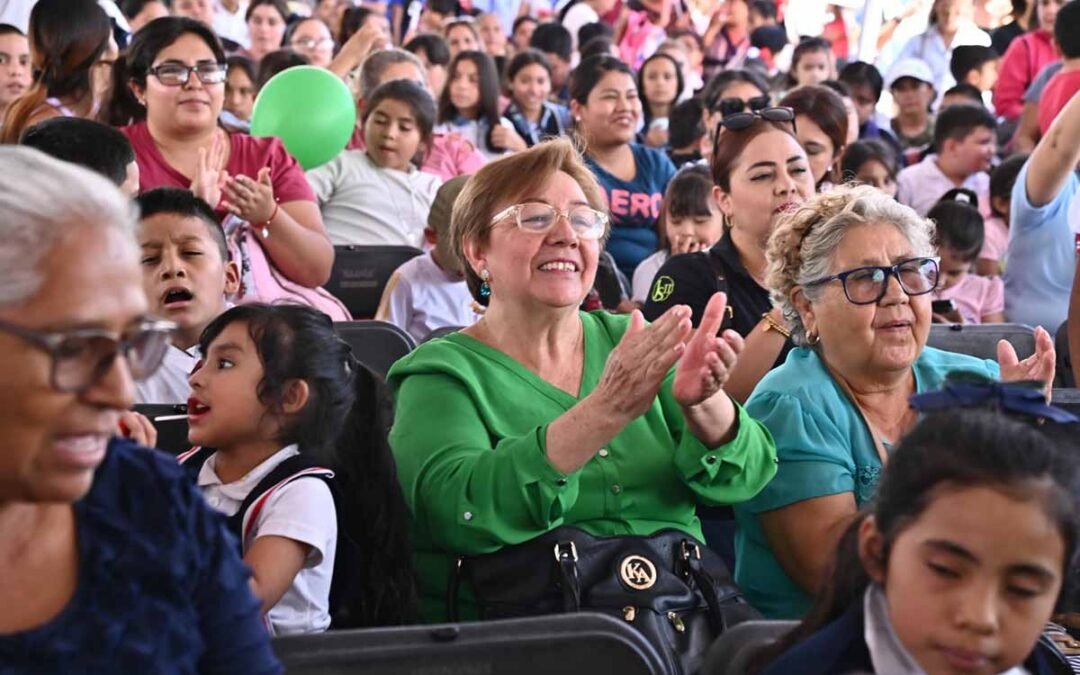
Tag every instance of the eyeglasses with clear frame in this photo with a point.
(81, 357)
(539, 218)
(868, 285)
(178, 75)
(312, 43)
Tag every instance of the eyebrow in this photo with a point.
(94, 325)
(576, 202)
(1030, 569)
(179, 62)
(870, 262)
(228, 347)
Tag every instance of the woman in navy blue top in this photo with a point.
(607, 111)
(112, 562)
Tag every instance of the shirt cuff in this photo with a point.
(733, 472)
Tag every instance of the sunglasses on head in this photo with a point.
(743, 120)
(730, 106)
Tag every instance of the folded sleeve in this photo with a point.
(729, 474)
(470, 492)
(814, 455)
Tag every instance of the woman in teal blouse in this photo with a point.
(852, 271)
(541, 415)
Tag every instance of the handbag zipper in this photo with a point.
(677, 622)
(629, 613)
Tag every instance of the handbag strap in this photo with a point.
(452, 589)
(566, 557)
(690, 553)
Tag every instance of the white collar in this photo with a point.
(887, 654)
(239, 490)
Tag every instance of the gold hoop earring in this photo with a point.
(813, 339)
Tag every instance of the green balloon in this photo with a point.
(310, 109)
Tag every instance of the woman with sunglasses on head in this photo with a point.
(853, 273)
(173, 89)
(731, 91)
(540, 415)
(607, 111)
(113, 561)
(759, 171)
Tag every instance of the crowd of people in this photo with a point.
(682, 259)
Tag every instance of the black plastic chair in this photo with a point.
(733, 652)
(376, 344)
(360, 274)
(980, 340)
(1068, 399)
(172, 433)
(564, 643)
(441, 332)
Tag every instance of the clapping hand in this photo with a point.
(1039, 366)
(250, 199)
(210, 175)
(708, 359)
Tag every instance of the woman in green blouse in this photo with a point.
(540, 415)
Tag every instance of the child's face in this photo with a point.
(522, 35)
(912, 96)
(393, 135)
(988, 75)
(560, 70)
(1048, 11)
(531, 87)
(972, 581)
(465, 88)
(952, 268)
(14, 68)
(877, 174)
(239, 93)
(974, 152)
(661, 82)
(862, 95)
(818, 145)
(461, 39)
(694, 233)
(694, 56)
(224, 409)
(813, 68)
(184, 277)
(491, 32)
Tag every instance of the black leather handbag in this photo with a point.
(677, 592)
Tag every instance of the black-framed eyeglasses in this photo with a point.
(742, 120)
(312, 43)
(81, 357)
(734, 104)
(539, 218)
(177, 74)
(868, 285)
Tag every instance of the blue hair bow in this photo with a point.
(1010, 397)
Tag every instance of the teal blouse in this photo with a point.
(825, 448)
(469, 434)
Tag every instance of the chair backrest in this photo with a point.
(980, 340)
(578, 643)
(1068, 399)
(441, 332)
(733, 652)
(360, 274)
(376, 344)
(172, 433)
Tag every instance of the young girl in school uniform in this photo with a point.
(469, 105)
(958, 564)
(292, 432)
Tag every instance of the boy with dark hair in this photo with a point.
(14, 66)
(1059, 91)
(558, 46)
(187, 276)
(686, 131)
(962, 94)
(89, 144)
(964, 146)
(762, 13)
(978, 66)
(866, 84)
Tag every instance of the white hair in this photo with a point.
(804, 244)
(41, 200)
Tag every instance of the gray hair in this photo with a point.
(372, 71)
(804, 243)
(43, 199)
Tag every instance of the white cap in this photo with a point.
(913, 68)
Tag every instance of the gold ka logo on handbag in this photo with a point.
(637, 572)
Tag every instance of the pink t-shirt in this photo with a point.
(975, 296)
(996, 240)
(248, 155)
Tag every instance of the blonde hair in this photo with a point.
(500, 183)
(804, 243)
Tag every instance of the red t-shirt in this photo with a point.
(249, 154)
(1059, 91)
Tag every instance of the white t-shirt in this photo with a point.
(365, 204)
(303, 511)
(421, 297)
(169, 384)
(232, 25)
(644, 275)
(576, 17)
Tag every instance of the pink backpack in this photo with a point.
(260, 281)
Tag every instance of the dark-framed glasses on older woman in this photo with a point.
(177, 74)
(81, 357)
(539, 218)
(867, 285)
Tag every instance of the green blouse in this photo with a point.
(469, 437)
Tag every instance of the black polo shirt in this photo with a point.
(693, 278)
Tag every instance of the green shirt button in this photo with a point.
(616, 489)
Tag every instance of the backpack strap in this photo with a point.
(294, 468)
(192, 460)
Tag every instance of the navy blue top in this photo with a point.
(635, 206)
(161, 586)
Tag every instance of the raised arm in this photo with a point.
(1056, 156)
